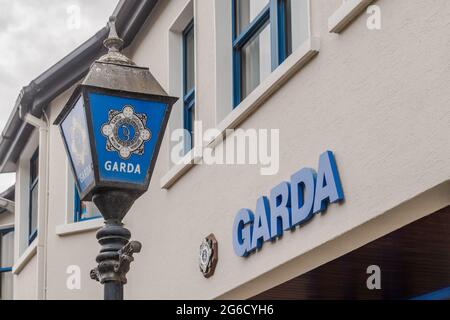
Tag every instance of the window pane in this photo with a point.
(89, 211)
(33, 209)
(256, 61)
(189, 60)
(6, 286)
(189, 114)
(83, 209)
(192, 119)
(34, 167)
(6, 249)
(247, 11)
(297, 23)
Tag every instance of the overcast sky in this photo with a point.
(35, 34)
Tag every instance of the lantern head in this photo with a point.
(114, 123)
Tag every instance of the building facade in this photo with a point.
(6, 243)
(367, 81)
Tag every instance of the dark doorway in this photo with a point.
(414, 260)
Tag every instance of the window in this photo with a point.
(84, 210)
(6, 262)
(77, 210)
(189, 84)
(265, 33)
(33, 201)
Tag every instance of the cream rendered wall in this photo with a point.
(6, 219)
(378, 99)
(25, 283)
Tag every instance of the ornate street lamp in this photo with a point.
(112, 127)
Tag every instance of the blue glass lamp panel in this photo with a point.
(126, 133)
(76, 137)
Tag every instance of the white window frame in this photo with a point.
(23, 250)
(8, 228)
(345, 14)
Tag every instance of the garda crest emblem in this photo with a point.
(126, 132)
(208, 256)
(79, 142)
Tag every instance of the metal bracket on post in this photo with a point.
(126, 257)
(121, 267)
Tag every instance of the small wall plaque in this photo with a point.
(208, 256)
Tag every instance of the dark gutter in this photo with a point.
(34, 98)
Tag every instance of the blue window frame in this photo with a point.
(270, 20)
(33, 197)
(6, 262)
(84, 211)
(6, 266)
(189, 84)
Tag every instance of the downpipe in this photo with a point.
(43, 194)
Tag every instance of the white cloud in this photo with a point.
(36, 34)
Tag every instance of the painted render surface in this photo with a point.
(6, 219)
(378, 99)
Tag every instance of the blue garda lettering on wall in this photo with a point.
(289, 204)
(126, 132)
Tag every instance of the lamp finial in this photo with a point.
(114, 44)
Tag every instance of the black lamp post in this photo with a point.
(112, 127)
